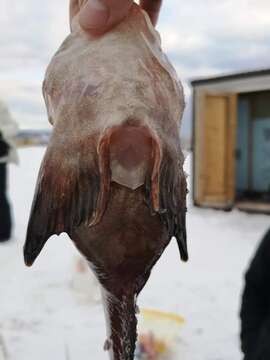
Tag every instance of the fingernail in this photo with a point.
(94, 15)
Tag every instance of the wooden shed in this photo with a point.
(231, 141)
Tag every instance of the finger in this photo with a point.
(98, 16)
(152, 7)
(73, 8)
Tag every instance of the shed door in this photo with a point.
(216, 151)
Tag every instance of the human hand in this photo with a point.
(98, 16)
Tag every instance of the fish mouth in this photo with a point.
(130, 146)
(131, 153)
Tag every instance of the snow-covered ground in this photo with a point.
(42, 317)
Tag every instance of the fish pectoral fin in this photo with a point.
(66, 196)
(166, 194)
(173, 193)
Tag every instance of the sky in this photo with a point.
(201, 38)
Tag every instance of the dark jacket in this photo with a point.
(255, 314)
(4, 147)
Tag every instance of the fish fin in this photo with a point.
(166, 190)
(66, 195)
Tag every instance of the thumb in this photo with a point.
(98, 16)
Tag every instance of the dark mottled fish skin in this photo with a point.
(120, 206)
(122, 249)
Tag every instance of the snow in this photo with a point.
(43, 317)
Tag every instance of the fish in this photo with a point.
(112, 176)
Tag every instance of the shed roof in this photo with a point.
(229, 77)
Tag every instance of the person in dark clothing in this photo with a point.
(8, 154)
(255, 308)
(5, 216)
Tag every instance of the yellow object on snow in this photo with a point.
(159, 334)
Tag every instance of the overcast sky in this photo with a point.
(201, 37)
